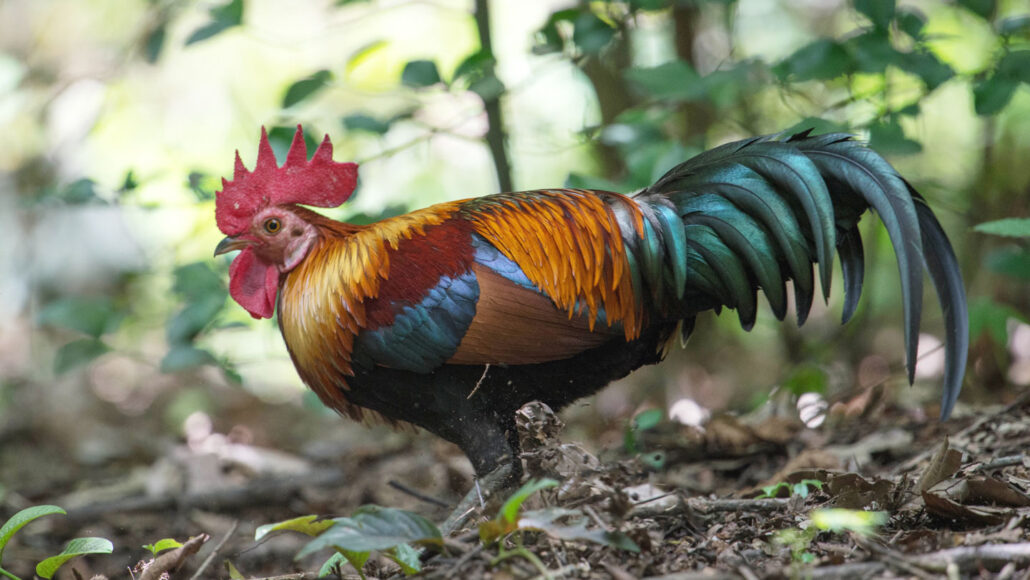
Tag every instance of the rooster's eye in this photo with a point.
(273, 225)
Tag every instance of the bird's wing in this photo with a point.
(516, 323)
(422, 334)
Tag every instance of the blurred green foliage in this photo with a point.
(941, 87)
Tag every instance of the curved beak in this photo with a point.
(230, 244)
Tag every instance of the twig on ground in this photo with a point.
(849, 571)
(294, 576)
(746, 573)
(211, 556)
(567, 570)
(706, 506)
(257, 492)
(969, 558)
(911, 463)
(172, 560)
(1001, 462)
(892, 558)
(454, 569)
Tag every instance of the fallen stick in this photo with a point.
(257, 492)
(994, 557)
(173, 559)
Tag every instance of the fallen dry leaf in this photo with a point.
(944, 463)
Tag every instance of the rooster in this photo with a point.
(454, 316)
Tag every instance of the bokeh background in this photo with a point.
(119, 117)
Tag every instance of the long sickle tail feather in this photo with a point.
(753, 214)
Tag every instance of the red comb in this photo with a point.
(320, 182)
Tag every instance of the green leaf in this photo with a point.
(154, 40)
(305, 88)
(75, 548)
(79, 192)
(78, 353)
(407, 557)
(911, 22)
(888, 138)
(1011, 261)
(129, 183)
(355, 558)
(991, 95)
(912, 110)
(197, 281)
(982, 8)
(986, 315)
(654, 459)
(223, 18)
(769, 491)
(548, 39)
(726, 87)
(21, 518)
(185, 325)
(927, 67)
(1015, 65)
(672, 81)
(335, 561)
(311, 525)
(510, 510)
(838, 520)
(477, 71)
(806, 379)
(202, 185)
(162, 545)
(1014, 25)
(92, 316)
(1007, 227)
(801, 488)
(362, 54)
(420, 73)
(488, 88)
(367, 123)
(590, 33)
(374, 528)
(872, 51)
(184, 357)
(234, 574)
(474, 66)
(822, 59)
(880, 12)
(648, 419)
(649, 4)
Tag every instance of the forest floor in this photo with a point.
(744, 497)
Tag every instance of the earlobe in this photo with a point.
(297, 250)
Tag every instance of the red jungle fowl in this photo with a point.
(454, 316)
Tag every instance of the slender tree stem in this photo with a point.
(495, 136)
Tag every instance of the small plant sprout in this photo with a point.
(512, 521)
(48, 567)
(371, 529)
(162, 545)
(834, 520)
(800, 488)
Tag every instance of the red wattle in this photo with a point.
(253, 284)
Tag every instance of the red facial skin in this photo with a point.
(275, 243)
